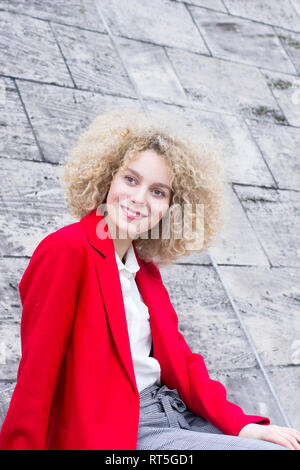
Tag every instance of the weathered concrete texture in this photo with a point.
(60, 114)
(16, 136)
(139, 20)
(229, 71)
(80, 13)
(214, 4)
(291, 43)
(152, 71)
(33, 207)
(274, 214)
(243, 160)
(286, 90)
(236, 235)
(266, 11)
(222, 86)
(248, 389)
(242, 40)
(29, 50)
(280, 148)
(286, 380)
(268, 301)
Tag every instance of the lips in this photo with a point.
(132, 212)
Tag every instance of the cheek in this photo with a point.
(115, 192)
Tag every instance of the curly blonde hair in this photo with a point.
(114, 138)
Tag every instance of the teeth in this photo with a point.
(131, 212)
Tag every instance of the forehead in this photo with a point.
(151, 167)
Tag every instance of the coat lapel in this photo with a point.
(165, 346)
(110, 286)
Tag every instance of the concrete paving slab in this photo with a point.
(269, 304)
(11, 270)
(238, 243)
(274, 214)
(280, 13)
(248, 389)
(280, 148)
(81, 13)
(286, 380)
(221, 86)
(5, 397)
(150, 68)
(10, 349)
(157, 21)
(29, 50)
(242, 40)
(60, 114)
(291, 42)
(16, 135)
(32, 208)
(243, 160)
(214, 4)
(286, 90)
(93, 61)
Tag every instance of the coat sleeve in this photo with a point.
(209, 397)
(48, 291)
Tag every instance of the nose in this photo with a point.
(139, 196)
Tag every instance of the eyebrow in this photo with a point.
(158, 184)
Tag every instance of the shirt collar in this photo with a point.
(131, 265)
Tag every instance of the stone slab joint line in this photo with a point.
(251, 342)
(62, 54)
(116, 46)
(250, 222)
(28, 119)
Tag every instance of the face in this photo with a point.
(144, 188)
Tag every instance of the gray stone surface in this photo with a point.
(280, 13)
(214, 4)
(228, 68)
(152, 71)
(274, 214)
(79, 13)
(280, 148)
(29, 50)
(93, 61)
(222, 86)
(243, 160)
(286, 90)
(291, 42)
(242, 40)
(139, 20)
(269, 303)
(237, 234)
(60, 114)
(16, 135)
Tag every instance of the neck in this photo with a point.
(121, 244)
(121, 247)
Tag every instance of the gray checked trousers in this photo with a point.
(166, 423)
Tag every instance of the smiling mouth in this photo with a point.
(131, 213)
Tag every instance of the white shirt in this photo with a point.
(147, 369)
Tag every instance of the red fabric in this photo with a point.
(76, 387)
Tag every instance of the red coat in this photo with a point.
(76, 386)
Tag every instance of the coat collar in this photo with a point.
(131, 266)
(152, 290)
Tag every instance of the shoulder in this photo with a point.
(70, 238)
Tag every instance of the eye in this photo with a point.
(161, 192)
(130, 177)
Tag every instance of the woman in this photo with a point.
(103, 364)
